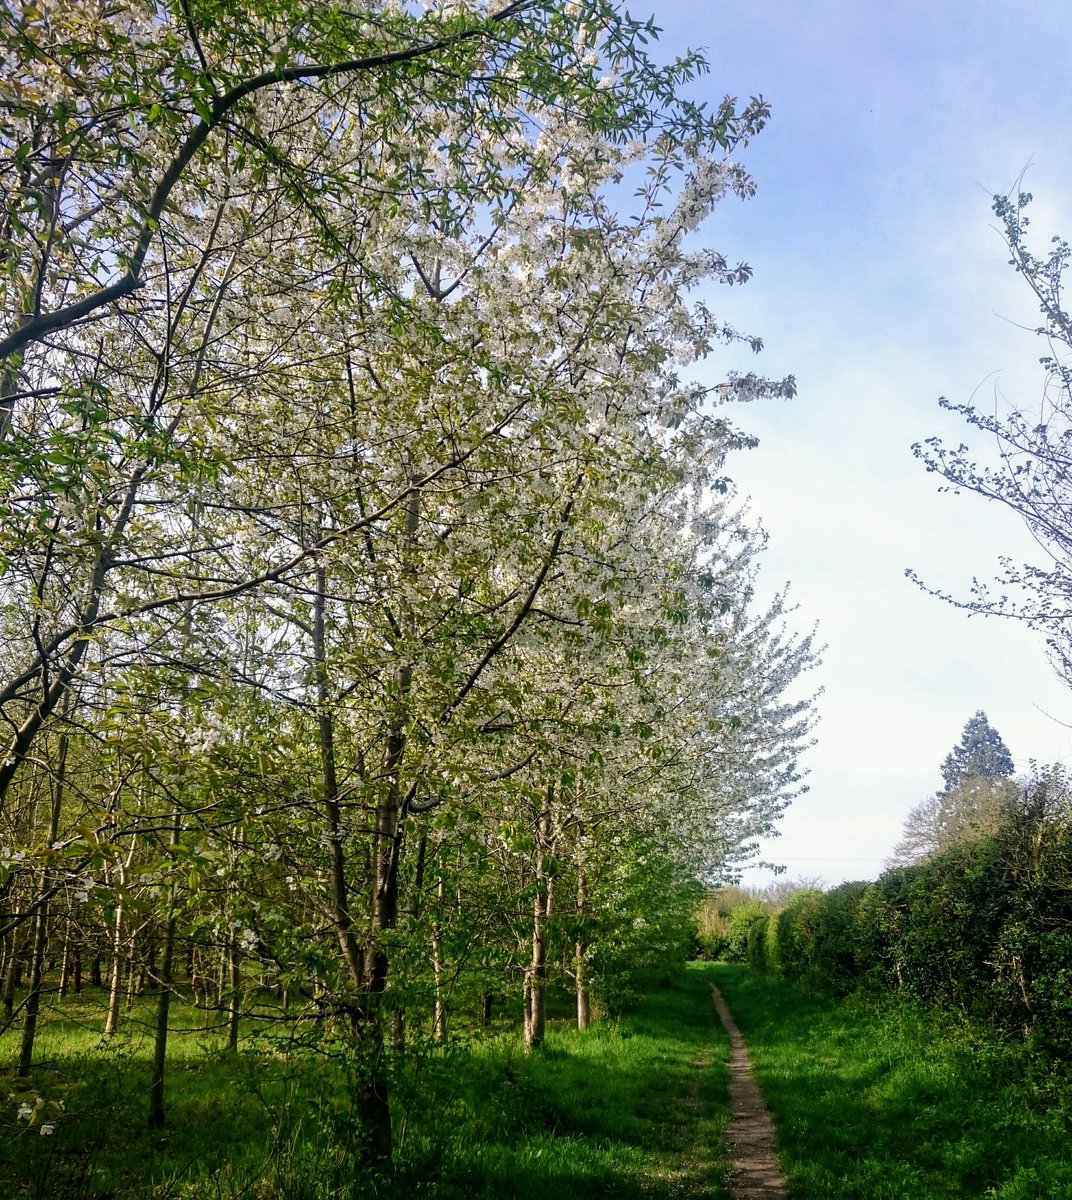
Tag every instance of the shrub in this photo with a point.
(842, 951)
(758, 937)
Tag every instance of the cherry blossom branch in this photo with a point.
(62, 318)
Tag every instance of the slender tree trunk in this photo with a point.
(439, 968)
(115, 990)
(163, 1005)
(373, 1103)
(580, 957)
(370, 1099)
(584, 1004)
(11, 976)
(340, 899)
(40, 937)
(386, 855)
(234, 1013)
(33, 1000)
(222, 973)
(148, 970)
(536, 1023)
(543, 904)
(65, 962)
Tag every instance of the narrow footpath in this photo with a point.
(754, 1171)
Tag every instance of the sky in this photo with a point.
(881, 283)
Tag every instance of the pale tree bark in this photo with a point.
(580, 956)
(439, 967)
(542, 908)
(234, 1012)
(115, 988)
(66, 960)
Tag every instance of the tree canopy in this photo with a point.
(980, 754)
(974, 802)
(376, 610)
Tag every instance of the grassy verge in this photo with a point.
(876, 1101)
(632, 1109)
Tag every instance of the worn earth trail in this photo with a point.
(754, 1171)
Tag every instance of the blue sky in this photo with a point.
(881, 283)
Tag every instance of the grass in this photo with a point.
(878, 1101)
(101, 1147)
(632, 1109)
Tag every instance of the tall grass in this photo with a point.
(878, 1101)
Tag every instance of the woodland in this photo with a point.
(380, 649)
(387, 700)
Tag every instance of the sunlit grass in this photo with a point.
(875, 1100)
(633, 1108)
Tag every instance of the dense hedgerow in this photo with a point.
(983, 928)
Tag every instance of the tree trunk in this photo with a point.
(584, 1004)
(163, 1005)
(11, 976)
(367, 972)
(115, 990)
(234, 1013)
(543, 903)
(580, 956)
(439, 968)
(40, 937)
(33, 1000)
(163, 1002)
(65, 961)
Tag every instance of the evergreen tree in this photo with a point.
(981, 753)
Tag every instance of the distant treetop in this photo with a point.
(980, 754)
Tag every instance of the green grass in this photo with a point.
(101, 1147)
(880, 1100)
(632, 1109)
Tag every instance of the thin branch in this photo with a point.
(62, 318)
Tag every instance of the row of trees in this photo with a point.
(375, 612)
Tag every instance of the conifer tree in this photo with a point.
(980, 753)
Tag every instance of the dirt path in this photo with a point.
(754, 1173)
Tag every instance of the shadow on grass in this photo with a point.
(631, 1109)
(882, 1100)
(90, 1140)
